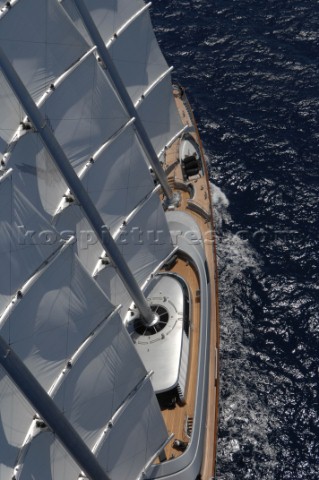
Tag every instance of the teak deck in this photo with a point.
(201, 208)
(176, 419)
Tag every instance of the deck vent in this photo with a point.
(163, 317)
(180, 445)
(189, 426)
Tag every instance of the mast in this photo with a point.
(124, 96)
(77, 188)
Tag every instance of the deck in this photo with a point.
(197, 202)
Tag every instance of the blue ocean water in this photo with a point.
(251, 70)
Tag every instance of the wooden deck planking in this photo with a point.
(175, 419)
(201, 200)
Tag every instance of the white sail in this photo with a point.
(42, 44)
(135, 438)
(108, 16)
(58, 298)
(47, 327)
(26, 238)
(126, 184)
(15, 418)
(100, 380)
(11, 114)
(54, 316)
(137, 56)
(35, 175)
(139, 61)
(107, 382)
(159, 114)
(145, 242)
(40, 41)
(84, 111)
(46, 459)
(115, 194)
(127, 31)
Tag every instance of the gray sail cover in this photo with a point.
(59, 298)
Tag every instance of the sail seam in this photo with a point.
(6, 174)
(126, 24)
(118, 231)
(7, 7)
(33, 431)
(136, 210)
(76, 355)
(172, 140)
(105, 145)
(64, 203)
(52, 415)
(23, 291)
(117, 414)
(20, 131)
(153, 85)
(114, 76)
(153, 273)
(156, 454)
(59, 80)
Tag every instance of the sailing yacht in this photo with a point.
(108, 286)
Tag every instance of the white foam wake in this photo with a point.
(244, 423)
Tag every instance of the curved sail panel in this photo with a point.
(108, 16)
(15, 419)
(100, 380)
(46, 459)
(36, 175)
(144, 243)
(159, 114)
(11, 113)
(55, 316)
(146, 239)
(119, 179)
(84, 111)
(105, 383)
(116, 188)
(26, 238)
(40, 41)
(137, 56)
(135, 438)
(71, 221)
(134, 49)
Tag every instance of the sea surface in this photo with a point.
(251, 70)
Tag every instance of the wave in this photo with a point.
(244, 423)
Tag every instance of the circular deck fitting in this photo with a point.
(162, 316)
(175, 201)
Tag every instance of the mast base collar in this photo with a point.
(174, 201)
